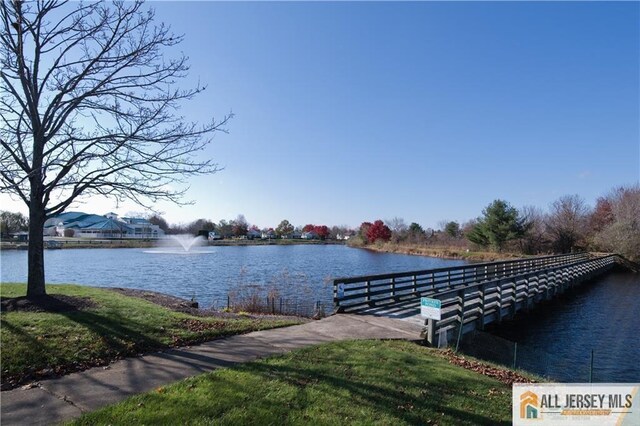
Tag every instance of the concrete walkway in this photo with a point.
(57, 400)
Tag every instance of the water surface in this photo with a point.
(301, 271)
(603, 315)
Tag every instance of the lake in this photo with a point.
(300, 272)
(554, 340)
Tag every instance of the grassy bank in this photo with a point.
(107, 326)
(439, 251)
(363, 382)
(75, 243)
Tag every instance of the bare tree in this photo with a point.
(88, 106)
(622, 233)
(567, 223)
(398, 228)
(534, 240)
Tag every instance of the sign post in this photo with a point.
(430, 308)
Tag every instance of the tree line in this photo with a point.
(568, 225)
(240, 227)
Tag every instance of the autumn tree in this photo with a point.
(308, 227)
(240, 226)
(622, 233)
(323, 231)
(284, 228)
(89, 107)
(602, 215)
(364, 230)
(378, 231)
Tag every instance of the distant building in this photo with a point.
(253, 233)
(87, 225)
(213, 235)
(268, 235)
(309, 236)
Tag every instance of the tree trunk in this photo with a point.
(36, 284)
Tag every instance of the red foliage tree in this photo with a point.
(602, 215)
(308, 228)
(364, 230)
(378, 231)
(322, 231)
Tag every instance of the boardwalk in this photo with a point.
(472, 296)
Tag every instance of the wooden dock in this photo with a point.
(471, 296)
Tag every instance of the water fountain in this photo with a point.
(180, 244)
(187, 241)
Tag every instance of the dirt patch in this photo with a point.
(501, 374)
(48, 303)
(170, 302)
(200, 326)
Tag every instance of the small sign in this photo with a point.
(430, 308)
(340, 291)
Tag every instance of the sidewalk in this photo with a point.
(57, 400)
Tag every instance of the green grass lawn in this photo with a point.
(39, 344)
(356, 382)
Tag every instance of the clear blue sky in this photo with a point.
(347, 112)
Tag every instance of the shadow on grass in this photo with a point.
(317, 389)
(52, 350)
(390, 398)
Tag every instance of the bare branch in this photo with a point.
(89, 106)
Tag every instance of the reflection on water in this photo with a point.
(556, 338)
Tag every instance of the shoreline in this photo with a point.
(452, 253)
(115, 244)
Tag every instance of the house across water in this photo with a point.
(109, 226)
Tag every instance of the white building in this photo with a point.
(86, 225)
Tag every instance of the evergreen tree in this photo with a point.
(500, 223)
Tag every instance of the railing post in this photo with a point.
(461, 294)
(528, 303)
(482, 291)
(499, 301)
(514, 299)
(415, 284)
(393, 286)
(368, 292)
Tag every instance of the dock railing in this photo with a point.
(470, 307)
(355, 293)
